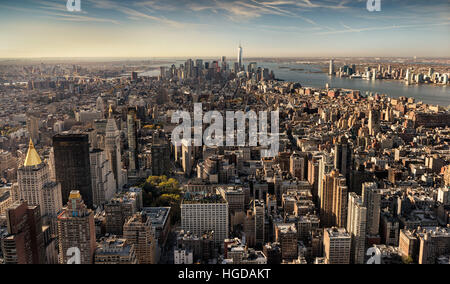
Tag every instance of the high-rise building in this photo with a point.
(186, 156)
(333, 203)
(343, 157)
(113, 150)
(72, 165)
(337, 245)
(205, 213)
(160, 155)
(117, 211)
(138, 232)
(103, 182)
(132, 141)
(340, 201)
(76, 229)
(36, 187)
(356, 227)
(331, 68)
(371, 197)
(374, 121)
(33, 128)
(240, 56)
(24, 241)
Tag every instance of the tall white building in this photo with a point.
(371, 197)
(113, 152)
(103, 181)
(331, 68)
(37, 188)
(200, 214)
(186, 156)
(240, 56)
(356, 227)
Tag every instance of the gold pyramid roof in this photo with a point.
(32, 158)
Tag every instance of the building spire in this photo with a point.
(110, 111)
(32, 158)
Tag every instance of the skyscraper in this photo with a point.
(331, 69)
(343, 157)
(36, 187)
(76, 229)
(132, 141)
(24, 243)
(72, 165)
(371, 197)
(113, 151)
(103, 181)
(356, 227)
(137, 231)
(240, 56)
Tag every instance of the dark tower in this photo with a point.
(72, 165)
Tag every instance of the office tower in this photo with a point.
(240, 57)
(340, 201)
(160, 155)
(371, 197)
(138, 231)
(72, 165)
(331, 68)
(205, 213)
(134, 76)
(259, 212)
(333, 201)
(24, 241)
(199, 64)
(37, 189)
(103, 182)
(297, 166)
(356, 227)
(186, 156)
(33, 128)
(286, 235)
(113, 150)
(325, 166)
(117, 211)
(337, 245)
(115, 250)
(374, 121)
(132, 141)
(76, 229)
(313, 176)
(343, 157)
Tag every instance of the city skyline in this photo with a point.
(38, 29)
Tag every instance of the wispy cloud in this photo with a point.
(348, 29)
(135, 14)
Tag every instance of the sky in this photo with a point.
(212, 28)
